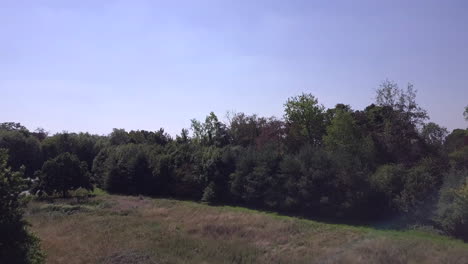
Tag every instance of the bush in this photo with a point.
(420, 190)
(17, 244)
(209, 194)
(452, 209)
(80, 194)
(387, 182)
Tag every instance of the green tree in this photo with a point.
(452, 208)
(420, 186)
(23, 148)
(130, 170)
(244, 129)
(183, 137)
(306, 116)
(64, 173)
(12, 126)
(456, 145)
(387, 183)
(352, 156)
(211, 132)
(119, 137)
(83, 145)
(17, 244)
(434, 134)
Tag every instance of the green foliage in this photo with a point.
(420, 189)
(80, 194)
(434, 134)
(456, 145)
(129, 170)
(64, 173)
(83, 145)
(17, 244)
(306, 117)
(211, 132)
(452, 208)
(209, 195)
(387, 182)
(459, 158)
(456, 140)
(24, 149)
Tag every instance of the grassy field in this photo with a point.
(122, 229)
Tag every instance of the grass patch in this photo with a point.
(122, 229)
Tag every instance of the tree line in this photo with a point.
(383, 162)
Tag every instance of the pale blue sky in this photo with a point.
(95, 65)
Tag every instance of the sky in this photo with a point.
(93, 66)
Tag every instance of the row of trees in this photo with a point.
(383, 162)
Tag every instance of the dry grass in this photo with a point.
(121, 229)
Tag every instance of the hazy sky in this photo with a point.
(95, 65)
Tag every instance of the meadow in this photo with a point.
(137, 229)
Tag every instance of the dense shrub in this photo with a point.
(17, 244)
(452, 208)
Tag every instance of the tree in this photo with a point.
(419, 193)
(387, 183)
(465, 114)
(17, 244)
(434, 134)
(119, 137)
(389, 94)
(129, 170)
(306, 116)
(456, 145)
(64, 173)
(272, 132)
(23, 149)
(83, 145)
(184, 136)
(452, 208)
(40, 134)
(211, 132)
(244, 129)
(12, 126)
(395, 137)
(352, 155)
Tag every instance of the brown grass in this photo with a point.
(120, 229)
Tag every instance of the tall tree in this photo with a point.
(434, 134)
(64, 173)
(391, 95)
(211, 132)
(306, 116)
(23, 148)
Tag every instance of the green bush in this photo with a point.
(452, 209)
(17, 244)
(209, 194)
